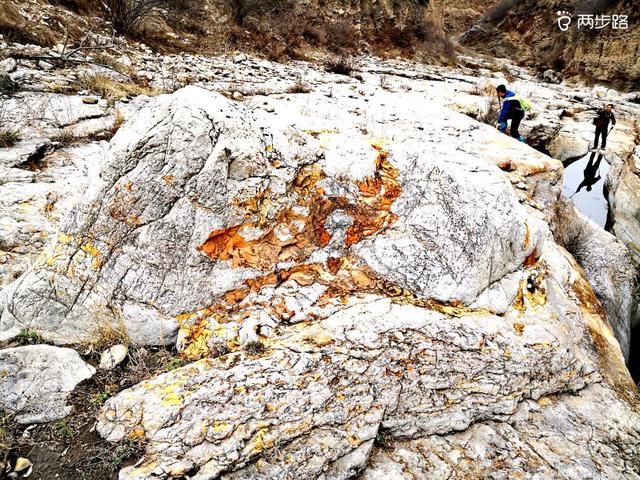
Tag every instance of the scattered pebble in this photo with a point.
(113, 356)
(22, 464)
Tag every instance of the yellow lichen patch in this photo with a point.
(316, 133)
(90, 249)
(220, 428)
(526, 235)
(402, 295)
(64, 238)
(168, 178)
(136, 434)
(171, 399)
(317, 337)
(519, 328)
(196, 343)
(544, 401)
(170, 396)
(354, 440)
(260, 441)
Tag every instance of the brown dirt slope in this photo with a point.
(527, 30)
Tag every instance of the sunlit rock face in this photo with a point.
(345, 290)
(194, 189)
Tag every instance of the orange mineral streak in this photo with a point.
(196, 328)
(295, 236)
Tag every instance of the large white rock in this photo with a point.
(36, 380)
(192, 163)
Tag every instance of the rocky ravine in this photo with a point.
(364, 281)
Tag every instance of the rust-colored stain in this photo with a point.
(519, 328)
(532, 259)
(196, 327)
(526, 235)
(587, 297)
(295, 236)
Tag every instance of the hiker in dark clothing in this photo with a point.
(513, 108)
(591, 176)
(605, 116)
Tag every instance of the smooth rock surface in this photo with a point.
(35, 381)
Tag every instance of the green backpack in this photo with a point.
(525, 104)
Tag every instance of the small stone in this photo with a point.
(90, 100)
(45, 65)
(22, 464)
(113, 356)
(9, 65)
(270, 109)
(551, 76)
(237, 96)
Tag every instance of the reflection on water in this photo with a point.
(583, 183)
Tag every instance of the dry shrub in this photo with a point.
(299, 87)
(78, 6)
(341, 35)
(341, 65)
(109, 61)
(7, 85)
(128, 16)
(65, 138)
(491, 111)
(418, 35)
(243, 9)
(385, 82)
(9, 137)
(110, 335)
(484, 88)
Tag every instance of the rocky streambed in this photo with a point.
(358, 278)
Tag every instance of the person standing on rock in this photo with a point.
(513, 108)
(605, 116)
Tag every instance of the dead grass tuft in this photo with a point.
(255, 348)
(110, 89)
(110, 335)
(9, 137)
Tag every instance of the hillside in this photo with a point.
(527, 31)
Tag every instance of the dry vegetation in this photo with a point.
(110, 89)
(278, 29)
(8, 137)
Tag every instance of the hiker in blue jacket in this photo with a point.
(513, 108)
